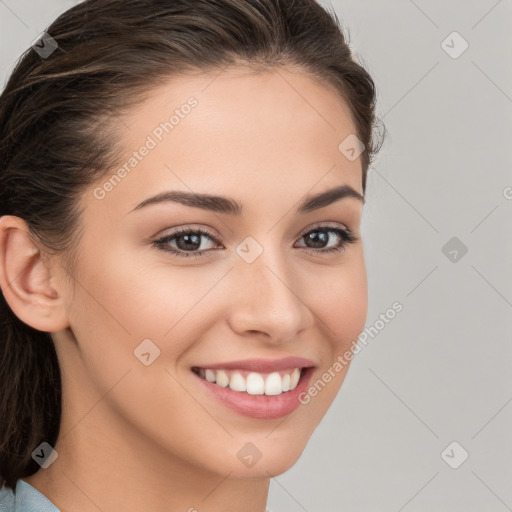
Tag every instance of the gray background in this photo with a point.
(440, 370)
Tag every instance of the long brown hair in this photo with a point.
(58, 118)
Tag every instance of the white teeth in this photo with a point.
(209, 375)
(286, 382)
(255, 383)
(273, 384)
(237, 382)
(222, 378)
(294, 379)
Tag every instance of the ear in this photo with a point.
(26, 280)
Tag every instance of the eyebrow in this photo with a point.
(227, 205)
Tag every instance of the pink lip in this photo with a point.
(261, 406)
(262, 365)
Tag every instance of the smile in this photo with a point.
(250, 382)
(258, 388)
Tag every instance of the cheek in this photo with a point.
(128, 295)
(341, 302)
(126, 300)
(341, 308)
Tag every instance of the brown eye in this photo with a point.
(188, 242)
(319, 237)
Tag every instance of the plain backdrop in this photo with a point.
(423, 420)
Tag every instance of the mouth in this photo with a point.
(250, 382)
(257, 394)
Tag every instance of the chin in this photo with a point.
(266, 458)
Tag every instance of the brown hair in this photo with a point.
(58, 115)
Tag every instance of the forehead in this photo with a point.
(237, 132)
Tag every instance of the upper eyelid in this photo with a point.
(185, 230)
(206, 231)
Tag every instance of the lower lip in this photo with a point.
(260, 406)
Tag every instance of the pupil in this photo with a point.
(318, 238)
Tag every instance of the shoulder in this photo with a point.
(6, 500)
(25, 498)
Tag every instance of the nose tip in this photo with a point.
(268, 304)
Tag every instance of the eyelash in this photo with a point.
(346, 235)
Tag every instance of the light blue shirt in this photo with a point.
(25, 499)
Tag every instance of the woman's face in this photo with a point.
(151, 327)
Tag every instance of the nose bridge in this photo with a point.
(266, 298)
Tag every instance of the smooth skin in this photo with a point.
(136, 437)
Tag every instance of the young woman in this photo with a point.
(182, 270)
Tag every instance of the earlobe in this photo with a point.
(26, 280)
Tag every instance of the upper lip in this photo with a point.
(262, 365)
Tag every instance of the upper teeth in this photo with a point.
(253, 383)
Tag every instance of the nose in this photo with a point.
(267, 299)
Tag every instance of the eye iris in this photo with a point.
(318, 238)
(196, 243)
